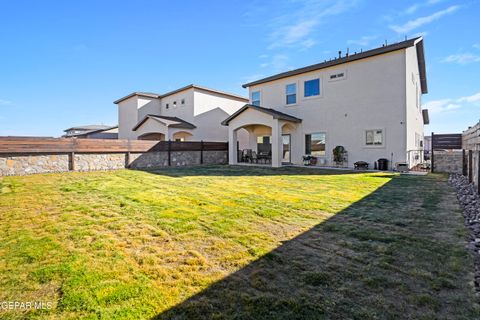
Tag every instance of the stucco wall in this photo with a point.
(414, 122)
(371, 96)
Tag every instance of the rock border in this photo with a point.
(469, 199)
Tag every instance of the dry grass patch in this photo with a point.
(218, 241)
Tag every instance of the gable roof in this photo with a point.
(276, 114)
(190, 86)
(358, 56)
(173, 122)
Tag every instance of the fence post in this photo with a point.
(478, 172)
(169, 152)
(470, 166)
(432, 158)
(464, 162)
(127, 159)
(201, 152)
(71, 161)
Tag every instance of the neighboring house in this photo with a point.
(92, 132)
(191, 113)
(367, 102)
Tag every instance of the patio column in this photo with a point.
(232, 146)
(276, 143)
(252, 140)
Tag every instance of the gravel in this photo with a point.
(470, 201)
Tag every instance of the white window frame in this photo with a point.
(325, 156)
(374, 145)
(261, 96)
(296, 94)
(320, 88)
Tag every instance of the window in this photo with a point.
(315, 144)
(174, 104)
(337, 76)
(256, 98)
(167, 106)
(291, 93)
(183, 101)
(374, 137)
(312, 88)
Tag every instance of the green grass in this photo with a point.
(234, 242)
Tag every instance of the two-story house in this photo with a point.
(191, 113)
(369, 103)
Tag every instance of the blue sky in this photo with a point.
(63, 63)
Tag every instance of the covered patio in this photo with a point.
(161, 128)
(273, 136)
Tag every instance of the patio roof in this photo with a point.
(172, 122)
(274, 113)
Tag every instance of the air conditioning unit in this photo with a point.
(401, 166)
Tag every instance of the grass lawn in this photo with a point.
(234, 242)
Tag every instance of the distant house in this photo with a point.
(368, 104)
(191, 113)
(92, 132)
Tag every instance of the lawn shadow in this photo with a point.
(369, 261)
(224, 170)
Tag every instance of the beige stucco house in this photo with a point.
(369, 103)
(191, 113)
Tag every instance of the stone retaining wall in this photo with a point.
(22, 165)
(448, 161)
(99, 161)
(29, 164)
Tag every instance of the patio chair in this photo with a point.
(254, 157)
(248, 155)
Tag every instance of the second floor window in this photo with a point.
(167, 106)
(312, 88)
(291, 93)
(256, 98)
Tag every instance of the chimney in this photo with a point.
(339, 54)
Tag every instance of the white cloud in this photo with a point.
(363, 41)
(278, 63)
(414, 7)
(5, 102)
(476, 45)
(448, 105)
(418, 22)
(470, 99)
(462, 58)
(253, 77)
(296, 27)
